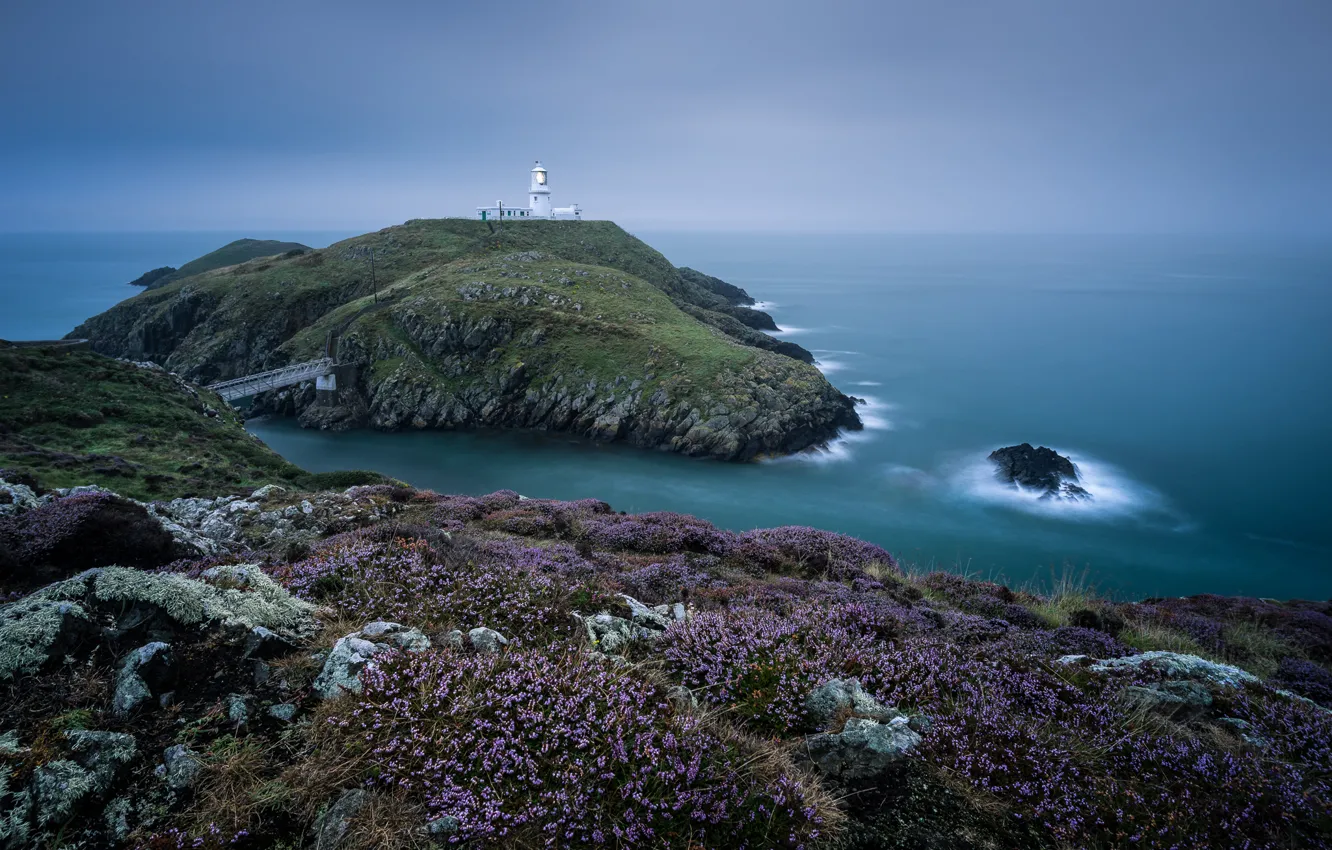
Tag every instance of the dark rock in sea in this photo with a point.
(1039, 469)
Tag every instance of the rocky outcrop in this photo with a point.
(356, 652)
(864, 749)
(49, 624)
(1039, 469)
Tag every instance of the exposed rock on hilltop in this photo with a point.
(569, 326)
(1039, 469)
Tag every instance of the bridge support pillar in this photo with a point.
(326, 386)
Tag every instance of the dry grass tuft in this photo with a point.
(389, 821)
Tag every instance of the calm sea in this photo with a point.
(1189, 378)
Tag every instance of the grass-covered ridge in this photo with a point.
(72, 417)
(228, 255)
(572, 326)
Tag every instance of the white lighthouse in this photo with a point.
(539, 193)
(538, 203)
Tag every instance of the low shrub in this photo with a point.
(557, 748)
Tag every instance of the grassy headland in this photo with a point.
(572, 326)
(74, 417)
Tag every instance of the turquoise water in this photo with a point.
(1188, 377)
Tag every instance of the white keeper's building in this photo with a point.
(538, 204)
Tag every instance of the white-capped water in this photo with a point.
(1113, 495)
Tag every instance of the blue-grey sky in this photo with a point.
(947, 115)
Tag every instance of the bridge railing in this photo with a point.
(273, 379)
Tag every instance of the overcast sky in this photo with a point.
(1058, 115)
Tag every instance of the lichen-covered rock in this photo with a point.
(331, 827)
(486, 640)
(180, 767)
(355, 652)
(58, 787)
(237, 708)
(845, 697)
(55, 619)
(263, 642)
(864, 749)
(17, 498)
(35, 630)
(143, 672)
(607, 633)
(1173, 665)
(283, 711)
(1182, 699)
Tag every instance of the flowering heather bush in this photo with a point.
(86, 530)
(814, 552)
(458, 508)
(762, 664)
(1065, 757)
(1304, 678)
(561, 750)
(655, 533)
(1065, 640)
(409, 582)
(662, 582)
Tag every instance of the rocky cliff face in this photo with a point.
(584, 330)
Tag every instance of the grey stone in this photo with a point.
(38, 629)
(116, 816)
(142, 671)
(487, 641)
(454, 639)
(607, 633)
(1174, 665)
(267, 492)
(9, 744)
(642, 615)
(330, 829)
(180, 767)
(682, 698)
(238, 711)
(354, 653)
(1183, 699)
(447, 825)
(59, 786)
(845, 696)
(1245, 730)
(262, 642)
(863, 750)
(282, 711)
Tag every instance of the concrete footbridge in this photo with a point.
(322, 371)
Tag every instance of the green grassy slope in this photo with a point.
(482, 314)
(228, 255)
(74, 417)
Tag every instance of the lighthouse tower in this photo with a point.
(539, 193)
(538, 204)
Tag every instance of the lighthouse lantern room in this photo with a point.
(538, 204)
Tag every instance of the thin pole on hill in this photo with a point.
(373, 283)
